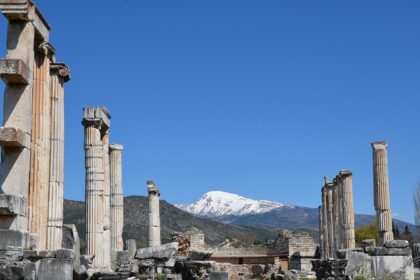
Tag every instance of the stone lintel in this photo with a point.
(12, 205)
(116, 147)
(26, 10)
(97, 114)
(379, 145)
(14, 239)
(14, 137)
(62, 70)
(14, 71)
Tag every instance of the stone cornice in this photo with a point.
(98, 115)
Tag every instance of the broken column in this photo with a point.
(347, 210)
(59, 75)
(321, 232)
(330, 217)
(17, 71)
(107, 199)
(381, 192)
(117, 198)
(96, 122)
(154, 214)
(336, 213)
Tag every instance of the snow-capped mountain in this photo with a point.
(218, 203)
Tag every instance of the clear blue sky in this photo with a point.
(259, 98)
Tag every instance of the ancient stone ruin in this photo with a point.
(392, 259)
(32, 142)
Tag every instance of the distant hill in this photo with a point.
(172, 219)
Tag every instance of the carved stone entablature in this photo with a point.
(116, 147)
(14, 71)
(25, 10)
(60, 69)
(97, 116)
(151, 187)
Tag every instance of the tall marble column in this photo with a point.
(348, 236)
(107, 199)
(96, 122)
(330, 216)
(154, 214)
(325, 226)
(321, 232)
(336, 213)
(117, 198)
(381, 191)
(59, 75)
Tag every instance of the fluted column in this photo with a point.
(59, 75)
(40, 150)
(348, 236)
(107, 200)
(117, 198)
(325, 227)
(154, 214)
(381, 191)
(95, 122)
(321, 232)
(330, 203)
(336, 214)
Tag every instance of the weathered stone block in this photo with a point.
(17, 270)
(97, 114)
(393, 267)
(199, 256)
(11, 255)
(396, 244)
(382, 251)
(13, 239)
(164, 252)
(14, 71)
(219, 275)
(14, 137)
(52, 269)
(65, 254)
(71, 241)
(357, 261)
(12, 205)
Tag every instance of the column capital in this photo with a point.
(345, 173)
(151, 187)
(62, 70)
(46, 49)
(379, 145)
(97, 116)
(116, 147)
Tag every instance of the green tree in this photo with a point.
(367, 232)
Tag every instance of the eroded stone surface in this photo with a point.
(14, 71)
(14, 137)
(163, 252)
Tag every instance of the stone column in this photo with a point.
(381, 191)
(336, 213)
(40, 146)
(154, 214)
(348, 237)
(17, 71)
(326, 244)
(59, 75)
(96, 121)
(117, 198)
(107, 199)
(330, 217)
(321, 232)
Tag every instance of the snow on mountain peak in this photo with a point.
(219, 203)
